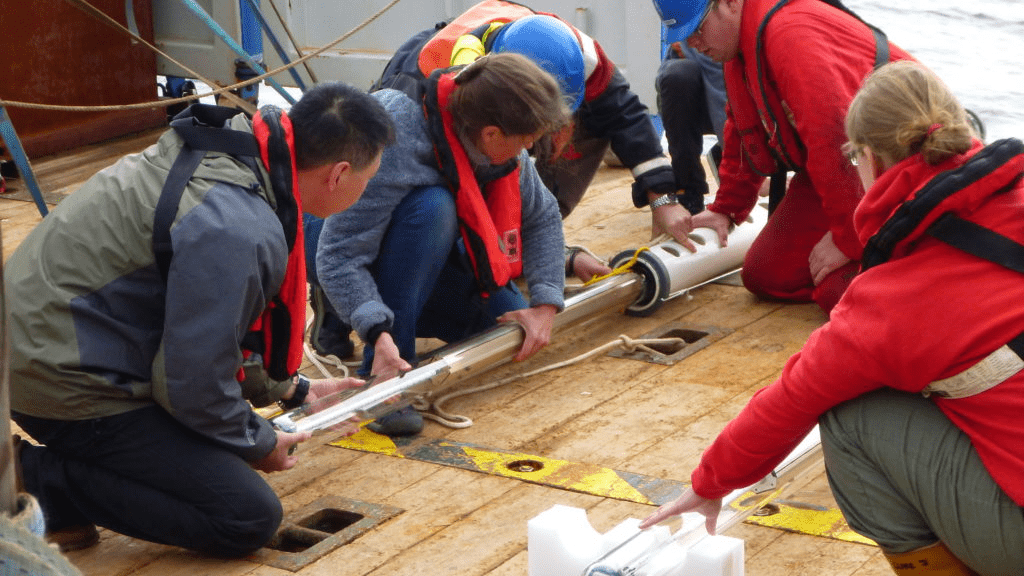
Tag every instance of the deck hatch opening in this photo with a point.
(525, 466)
(688, 340)
(319, 528)
(330, 520)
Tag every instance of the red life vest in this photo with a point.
(436, 54)
(283, 321)
(754, 104)
(764, 122)
(491, 225)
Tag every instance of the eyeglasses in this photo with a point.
(698, 31)
(853, 153)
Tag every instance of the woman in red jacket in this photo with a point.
(916, 378)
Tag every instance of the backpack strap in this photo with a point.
(989, 245)
(167, 207)
(978, 241)
(777, 182)
(201, 126)
(879, 248)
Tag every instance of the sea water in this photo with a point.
(975, 46)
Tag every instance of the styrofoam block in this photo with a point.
(562, 542)
(716, 556)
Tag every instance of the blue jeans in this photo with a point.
(423, 276)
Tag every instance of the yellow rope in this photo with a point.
(620, 269)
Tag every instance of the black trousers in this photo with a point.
(144, 475)
(683, 106)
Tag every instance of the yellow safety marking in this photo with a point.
(595, 480)
(570, 475)
(827, 524)
(368, 441)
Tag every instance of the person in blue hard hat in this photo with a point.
(791, 69)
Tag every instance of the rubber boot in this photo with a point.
(403, 422)
(934, 560)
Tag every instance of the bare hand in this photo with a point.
(322, 388)
(585, 267)
(688, 502)
(559, 141)
(280, 459)
(826, 258)
(326, 386)
(387, 362)
(536, 322)
(674, 220)
(720, 223)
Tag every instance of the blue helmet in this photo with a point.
(681, 17)
(552, 45)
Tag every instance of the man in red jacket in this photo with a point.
(791, 69)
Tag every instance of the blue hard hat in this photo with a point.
(553, 46)
(681, 17)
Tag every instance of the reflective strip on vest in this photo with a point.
(993, 370)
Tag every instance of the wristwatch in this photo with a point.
(663, 200)
(299, 396)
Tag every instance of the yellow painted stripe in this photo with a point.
(368, 441)
(591, 479)
(569, 475)
(826, 524)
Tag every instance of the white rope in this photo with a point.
(318, 361)
(433, 410)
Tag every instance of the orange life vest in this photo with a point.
(491, 224)
(436, 54)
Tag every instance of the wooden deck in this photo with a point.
(611, 412)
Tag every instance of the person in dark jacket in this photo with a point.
(142, 324)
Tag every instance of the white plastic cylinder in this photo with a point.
(687, 269)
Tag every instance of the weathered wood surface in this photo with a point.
(618, 413)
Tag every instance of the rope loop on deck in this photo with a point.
(433, 408)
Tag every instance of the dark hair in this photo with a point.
(336, 122)
(509, 91)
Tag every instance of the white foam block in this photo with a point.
(716, 556)
(562, 542)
